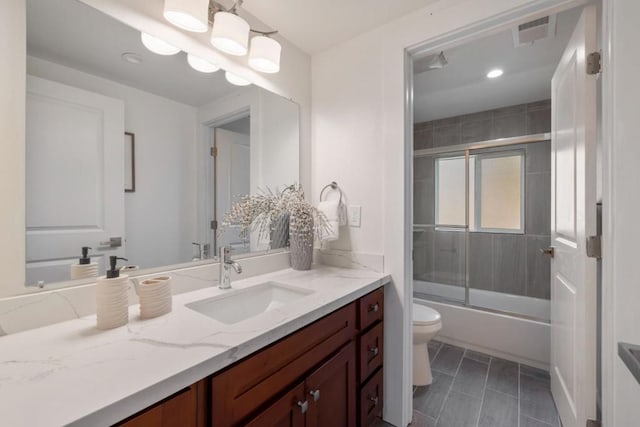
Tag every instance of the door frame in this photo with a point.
(206, 176)
(483, 28)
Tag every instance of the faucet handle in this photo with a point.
(225, 254)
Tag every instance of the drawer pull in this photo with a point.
(374, 400)
(373, 350)
(373, 307)
(315, 394)
(303, 406)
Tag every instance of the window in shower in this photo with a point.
(499, 192)
(496, 192)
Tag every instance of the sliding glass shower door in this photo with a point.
(439, 228)
(481, 216)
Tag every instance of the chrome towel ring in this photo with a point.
(334, 186)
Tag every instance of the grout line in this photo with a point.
(444, 403)
(484, 391)
(540, 421)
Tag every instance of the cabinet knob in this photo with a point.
(374, 399)
(373, 350)
(303, 406)
(315, 394)
(374, 307)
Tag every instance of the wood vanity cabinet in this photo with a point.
(370, 353)
(328, 374)
(185, 408)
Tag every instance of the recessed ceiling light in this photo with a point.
(496, 72)
(131, 57)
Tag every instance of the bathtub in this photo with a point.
(521, 339)
(535, 308)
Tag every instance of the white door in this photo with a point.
(573, 274)
(74, 177)
(232, 179)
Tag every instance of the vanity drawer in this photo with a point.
(248, 385)
(371, 309)
(371, 349)
(371, 400)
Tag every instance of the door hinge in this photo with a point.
(594, 63)
(214, 151)
(214, 225)
(594, 247)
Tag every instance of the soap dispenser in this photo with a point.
(112, 300)
(84, 268)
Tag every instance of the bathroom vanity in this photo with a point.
(327, 374)
(314, 361)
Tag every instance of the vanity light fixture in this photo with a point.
(201, 65)
(496, 72)
(236, 80)
(230, 33)
(190, 15)
(264, 55)
(157, 45)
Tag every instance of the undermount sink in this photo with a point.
(243, 304)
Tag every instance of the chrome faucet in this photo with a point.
(225, 263)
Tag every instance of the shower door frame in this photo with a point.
(466, 149)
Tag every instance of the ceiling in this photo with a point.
(315, 25)
(73, 34)
(461, 87)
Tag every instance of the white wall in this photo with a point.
(358, 140)
(621, 204)
(160, 214)
(12, 134)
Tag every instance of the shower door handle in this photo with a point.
(551, 251)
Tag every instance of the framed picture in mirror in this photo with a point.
(129, 162)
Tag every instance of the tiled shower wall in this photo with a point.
(509, 263)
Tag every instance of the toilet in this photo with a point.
(426, 324)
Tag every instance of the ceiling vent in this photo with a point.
(530, 32)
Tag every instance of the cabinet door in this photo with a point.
(180, 410)
(331, 391)
(288, 411)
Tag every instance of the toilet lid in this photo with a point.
(423, 315)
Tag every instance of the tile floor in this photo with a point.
(475, 390)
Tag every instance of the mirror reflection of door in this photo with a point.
(74, 178)
(231, 178)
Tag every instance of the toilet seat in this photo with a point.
(425, 316)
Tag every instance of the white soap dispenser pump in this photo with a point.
(84, 268)
(112, 300)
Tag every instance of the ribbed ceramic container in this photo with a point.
(112, 303)
(280, 233)
(301, 250)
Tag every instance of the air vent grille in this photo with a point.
(535, 23)
(533, 31)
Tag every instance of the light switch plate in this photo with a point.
(354, 213)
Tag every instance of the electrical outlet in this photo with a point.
(354, 213)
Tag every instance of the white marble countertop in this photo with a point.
(70, 373)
